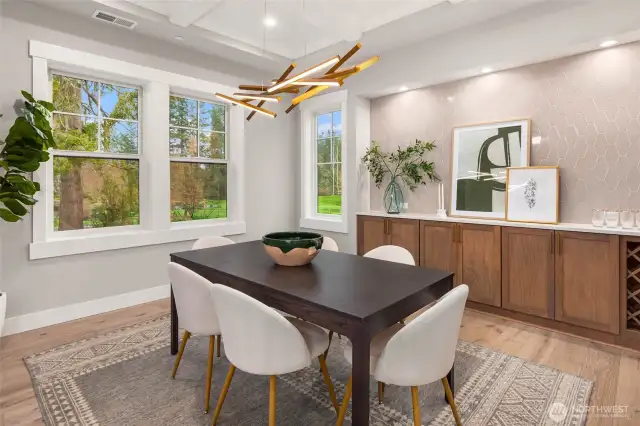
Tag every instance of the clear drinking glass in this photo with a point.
(637, 213)
(612, 218)
(627, 218)
(597, 217)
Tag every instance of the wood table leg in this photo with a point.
(360, 397)
(174, 326)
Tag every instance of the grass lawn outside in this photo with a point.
(330, 204)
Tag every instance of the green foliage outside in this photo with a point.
(330, 204)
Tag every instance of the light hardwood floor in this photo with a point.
(616, 371)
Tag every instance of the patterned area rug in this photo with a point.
(122, 378)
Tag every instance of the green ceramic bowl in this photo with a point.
(292, 248)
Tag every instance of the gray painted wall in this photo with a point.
(49, 283)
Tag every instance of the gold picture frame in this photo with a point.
(518, 217)
(525, 150)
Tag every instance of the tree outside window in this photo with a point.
(329, 162)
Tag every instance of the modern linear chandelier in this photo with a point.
(311, 78)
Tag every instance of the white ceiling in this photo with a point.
(420, 42)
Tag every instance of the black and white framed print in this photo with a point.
(533, 194)
(480, 157)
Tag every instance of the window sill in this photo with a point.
(67, 246)
(338, 224)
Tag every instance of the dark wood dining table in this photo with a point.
(351, 295)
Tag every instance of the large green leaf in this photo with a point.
(15, 206)
(28, 96)
(8, 216)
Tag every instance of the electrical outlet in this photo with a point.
(406, 206)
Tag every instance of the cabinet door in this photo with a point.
(587, 280)
(372, 233)
(438, 249)
(528, 271)
(479, 262)
(405, 233)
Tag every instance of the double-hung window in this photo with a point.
(96, 163)
(324, 140)
(198, 155)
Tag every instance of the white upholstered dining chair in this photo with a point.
(418, 353)
(196, 315)
(330, 244)
(208, 242)
(215, 241)
(259, 340)
(392, 254)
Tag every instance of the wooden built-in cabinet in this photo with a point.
(587, 280)
(379, 231)
(528, 271)
(579, 282)
(479, 262)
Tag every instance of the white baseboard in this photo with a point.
(80, 310)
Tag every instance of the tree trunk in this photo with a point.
(71, 199)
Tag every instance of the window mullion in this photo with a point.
(100, 148)
(198, 129)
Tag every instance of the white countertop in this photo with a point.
(576, 227)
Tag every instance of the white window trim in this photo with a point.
(156, 226)
(310, 218)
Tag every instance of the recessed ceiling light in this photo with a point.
(450, 98)
(608, 43)
(486, 70)
(403, 88)
(179, 38)
(270, 22)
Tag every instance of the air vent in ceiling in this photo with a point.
(113, 19)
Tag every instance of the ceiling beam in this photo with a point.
(190, 11)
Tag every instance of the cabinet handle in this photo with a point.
(551, 245)
(390, 225)
(457, 233)
(559, 239)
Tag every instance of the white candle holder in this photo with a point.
(441, 212)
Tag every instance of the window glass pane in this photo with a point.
(120, 136)
(212, 145)
(337, 123)
(323, 126)
(95, 193)
(329, 198)
(183, 112)
(324, 150)
(75, 95)
(212, 116)
(118, 102)
(337, 179)
(75, 133)
(336, 143)
(183, 142)
(198, 191)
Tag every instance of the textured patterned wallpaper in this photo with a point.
(585, 113)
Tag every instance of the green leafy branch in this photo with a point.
(406, 164)
(24, 148)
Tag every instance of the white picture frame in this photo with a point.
(480, 156)
(533, 194)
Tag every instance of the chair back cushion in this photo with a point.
(392, 254)
(424, 350)
(257, 339)
(329, 243)
(208, 242)
(191, 291)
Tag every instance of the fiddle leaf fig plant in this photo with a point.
(24, 148)
(404, 163)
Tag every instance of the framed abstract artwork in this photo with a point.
(480, 156)
(533, 194)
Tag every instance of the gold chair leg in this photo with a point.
(327, 351)
(207, 392)
(380, 392)
(415, 401)
(219, 344)
(452, 402)
(327, 380)
(272, 401)
(345, 402)
(223, 394)
(185, 337)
